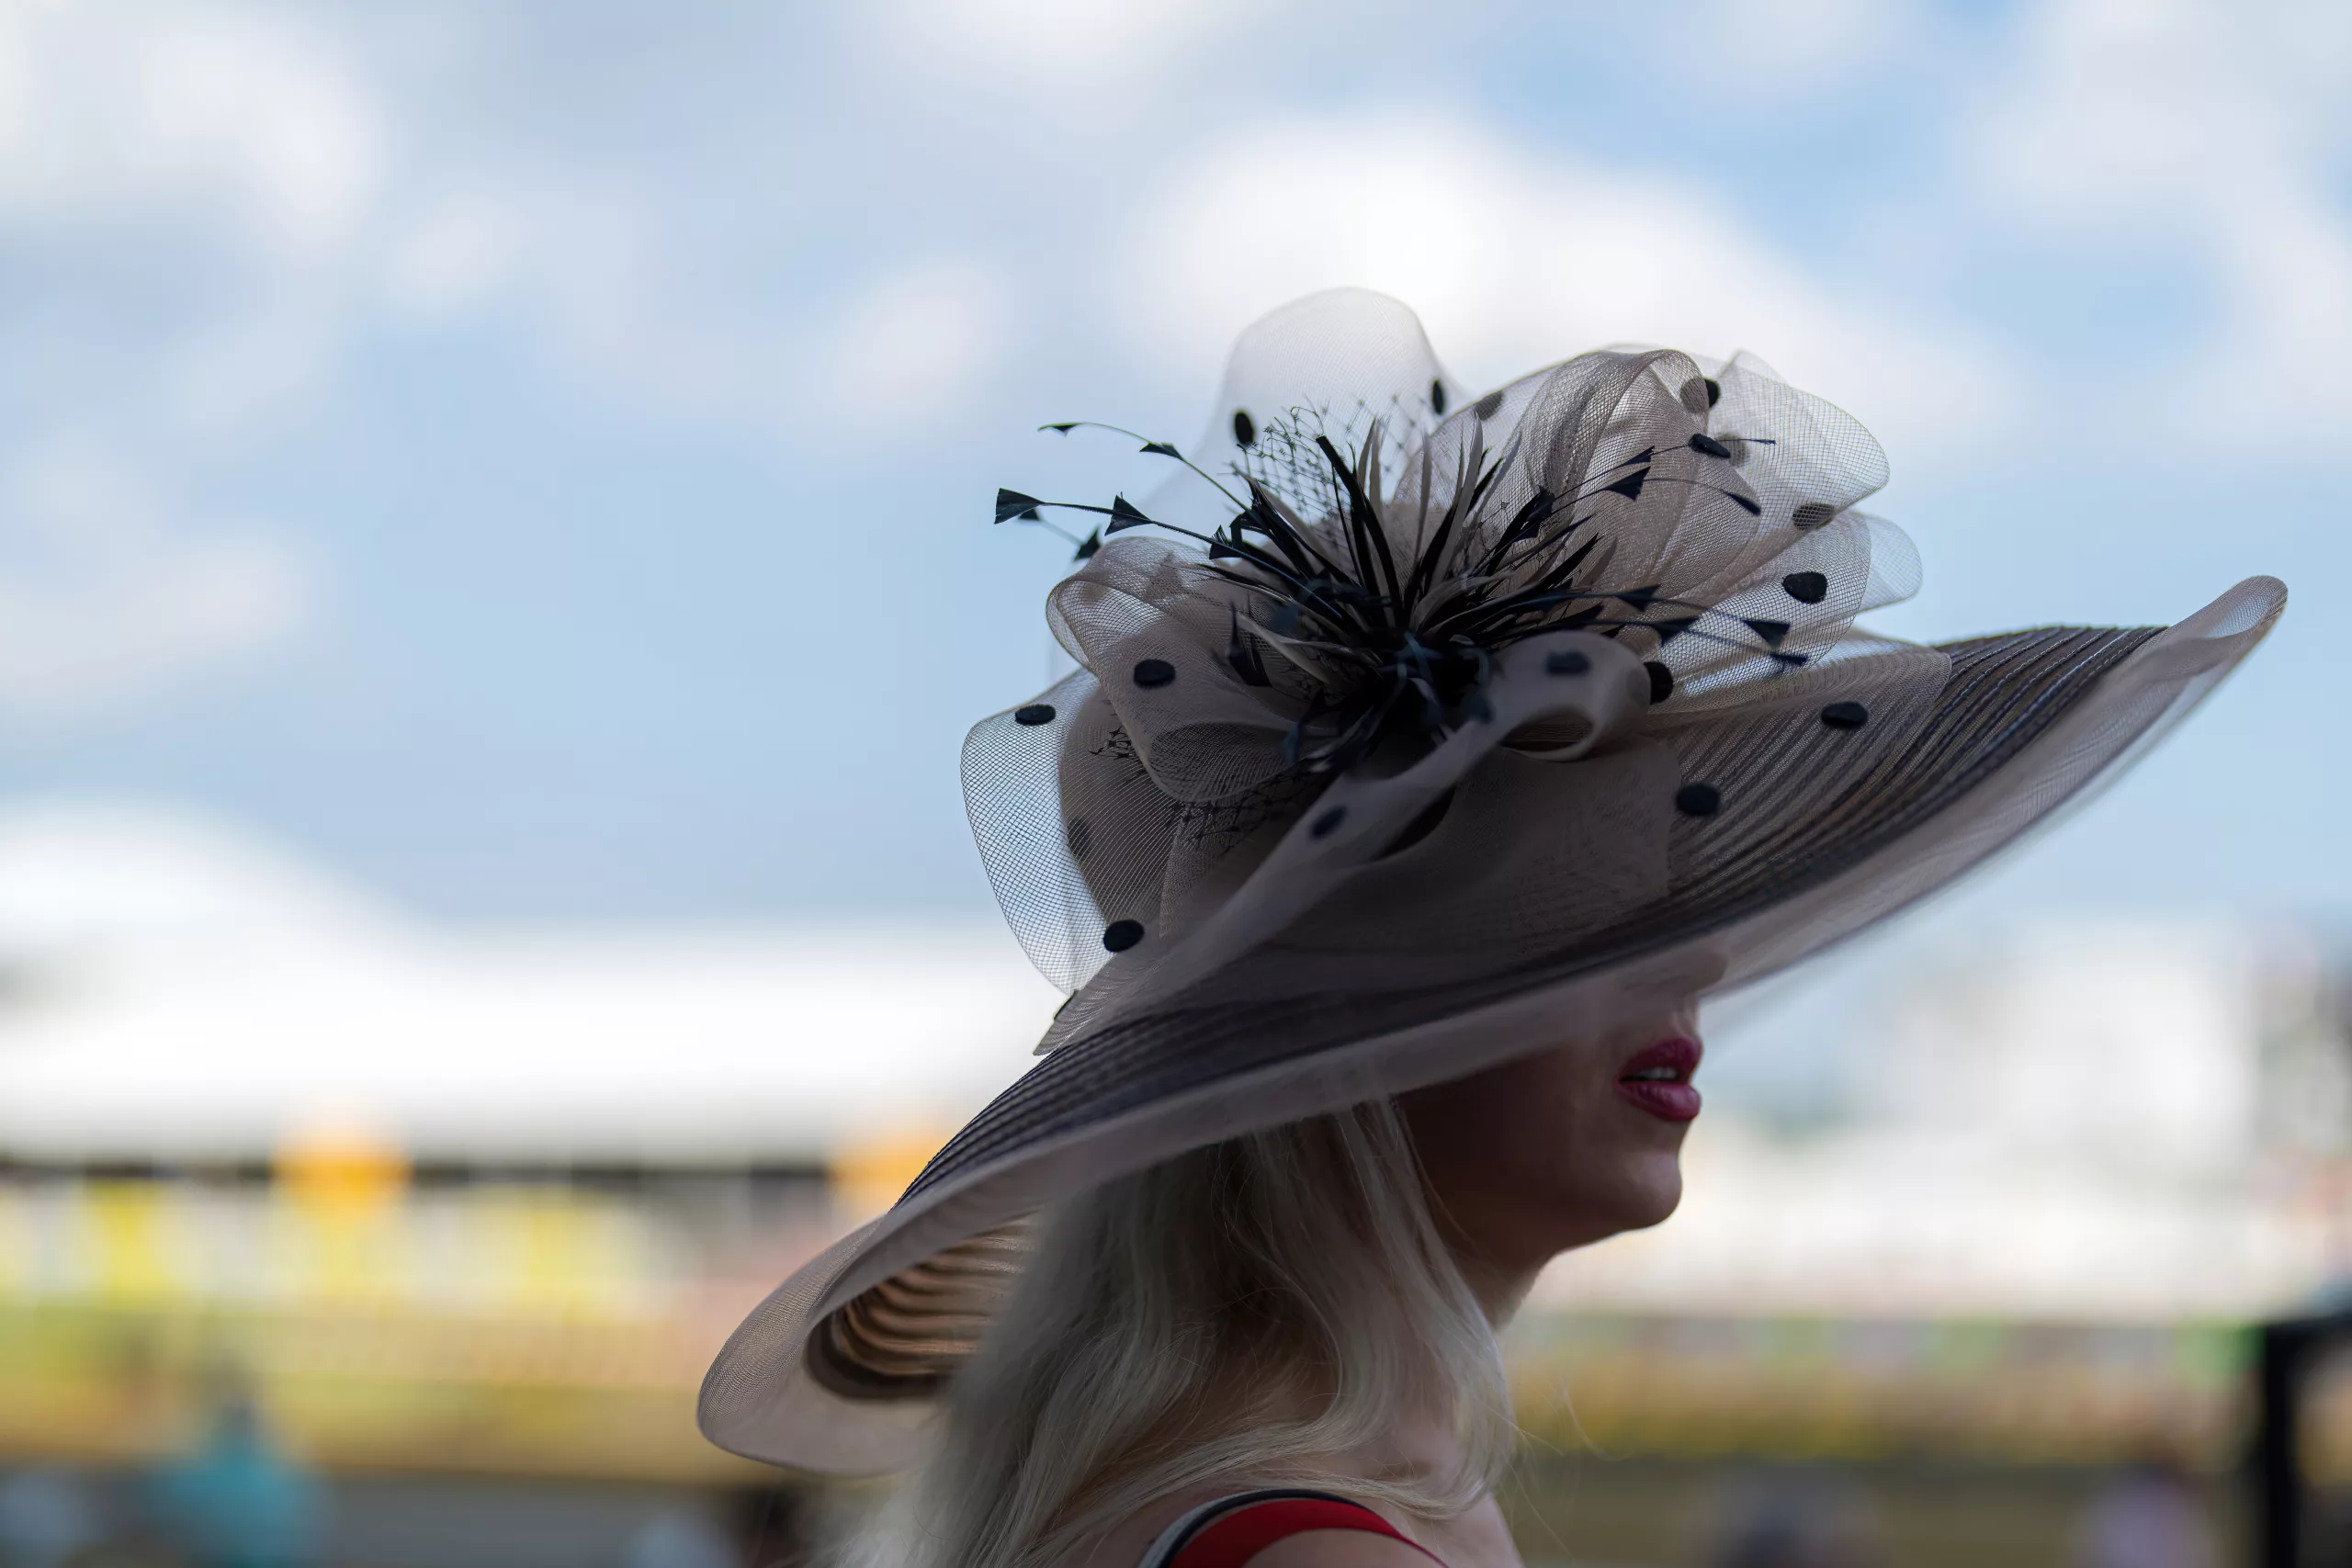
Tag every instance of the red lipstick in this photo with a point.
(1658, 1079)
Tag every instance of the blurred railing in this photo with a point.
(546, 1321)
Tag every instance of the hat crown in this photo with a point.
(1326, 589)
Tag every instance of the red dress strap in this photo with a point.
(1233, 1537)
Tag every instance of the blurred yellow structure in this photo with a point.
(869, 1174)
(520, 1327)
(558, 1326)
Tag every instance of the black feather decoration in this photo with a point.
(1242, 654)
(1386, 652)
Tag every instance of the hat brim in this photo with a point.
(833, 1372)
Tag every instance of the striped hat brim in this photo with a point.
(834, 1371)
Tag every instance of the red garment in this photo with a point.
(1231, 1540)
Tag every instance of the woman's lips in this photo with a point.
(1658, 1079)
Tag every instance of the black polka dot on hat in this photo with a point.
(1566, 661)
(1437, 397)
(1245, 429)
(1488, 406)
(1845, 716)
(1661, 681)
(1328, 821)
(1698, 800)
(1152, 672)
(1807, 587)
(1121, 935)
(1079, 837)
(1034, 712)
(1812, 515)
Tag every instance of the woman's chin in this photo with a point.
(1662, 1195)
(1643, 1195)
(1650, 1192)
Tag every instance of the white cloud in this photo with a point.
(2210, 130)
(231, 374)
(1061, 44)
(2131, 107)
(115, 106)
(181, 189)
(671, 323)
(910, 344)
(1515, 260)
(186, 184)
(105, 597)
(615, 293)
(259, 192)
(1770, 49)
(455, 255)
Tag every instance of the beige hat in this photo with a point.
(1412, 731)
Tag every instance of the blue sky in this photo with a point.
(535, 459)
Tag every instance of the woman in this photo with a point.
(1428, 761)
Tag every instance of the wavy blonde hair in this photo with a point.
(1233, 1316)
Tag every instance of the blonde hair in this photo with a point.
(1231, 1317)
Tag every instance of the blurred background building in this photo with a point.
(493, 582)
(391, 1224)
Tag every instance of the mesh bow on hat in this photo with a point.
(1412, 732)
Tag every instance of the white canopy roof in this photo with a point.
(171, 990)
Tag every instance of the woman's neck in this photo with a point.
(1498, 1276)
(1498, 1288)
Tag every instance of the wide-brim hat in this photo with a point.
(1414, 732)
